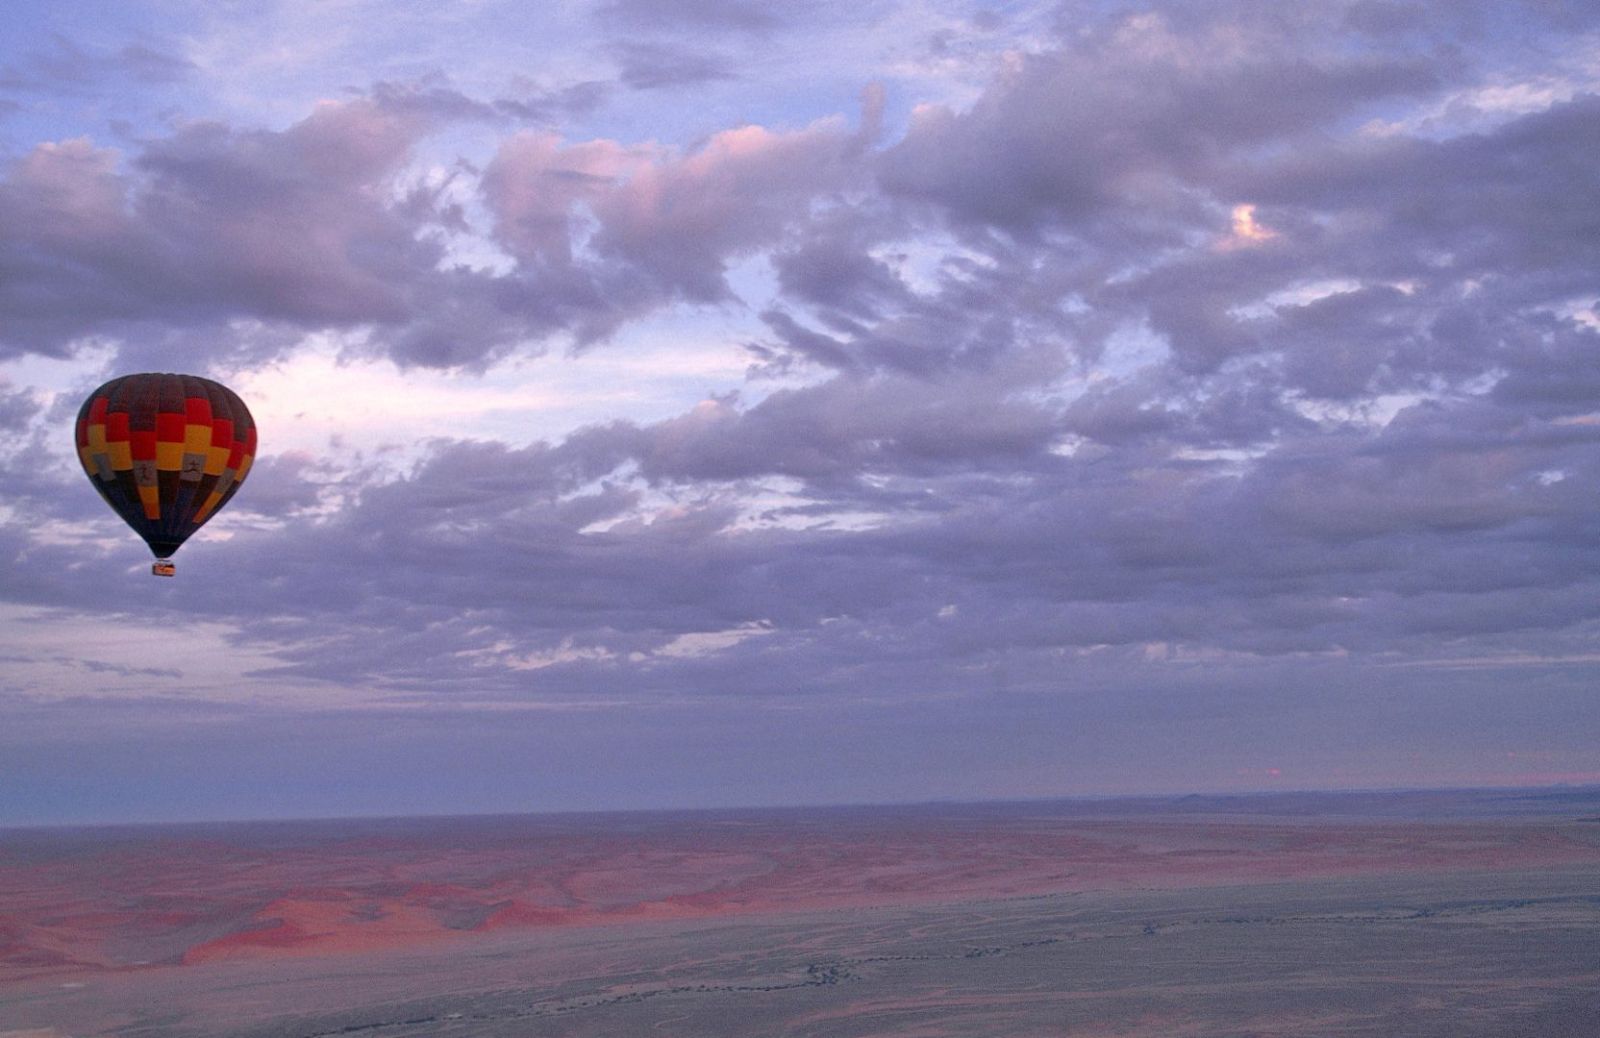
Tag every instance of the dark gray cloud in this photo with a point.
(551, 106)
(652, 66)
(64, 64)
(210, 224)
(17, 408)
(1115, 117)
(933, 532)
(667, 226)
(693, 16)
(301, 230)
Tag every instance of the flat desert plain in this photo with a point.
(1417, 914)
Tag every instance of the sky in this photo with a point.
(689, 403)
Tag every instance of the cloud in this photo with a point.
(1126, 112)
(317, 227)
(211, 224)
(652, 66)
(65, 65)
(688, 16)
(1200, 359)
(664, 225)
(17, 408)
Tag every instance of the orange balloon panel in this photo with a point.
(165, 451)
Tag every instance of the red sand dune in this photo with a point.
(121, 899)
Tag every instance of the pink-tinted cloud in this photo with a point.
(675, 219)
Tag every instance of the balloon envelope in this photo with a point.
(165, 451)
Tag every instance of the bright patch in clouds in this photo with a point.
(328, 392)
(1246, 231)
(705, 643)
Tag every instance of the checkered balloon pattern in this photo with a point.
(165, 451)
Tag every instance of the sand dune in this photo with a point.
(85, 901)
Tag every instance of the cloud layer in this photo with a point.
(1237, 360)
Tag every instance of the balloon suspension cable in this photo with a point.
(164, 568)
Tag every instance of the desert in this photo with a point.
(1422, 913)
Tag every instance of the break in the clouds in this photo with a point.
(1048, 399)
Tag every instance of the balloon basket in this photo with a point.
(163, 568)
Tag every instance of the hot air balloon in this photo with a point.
(166, 452)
